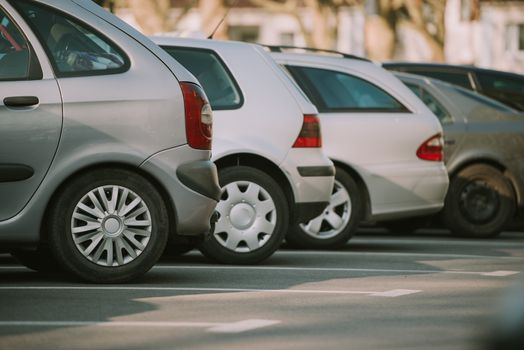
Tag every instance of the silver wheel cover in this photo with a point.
(335, 217)
(248, 217)
(111, 225)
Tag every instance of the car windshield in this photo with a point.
(468, 101)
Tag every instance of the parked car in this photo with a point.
(267, 147)
(104, 142)
(505, 87)
(484, 153)
(385, 143)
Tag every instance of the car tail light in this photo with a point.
(432, 149)
(309, 135)
(199, 116)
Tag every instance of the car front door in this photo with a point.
(30, 114)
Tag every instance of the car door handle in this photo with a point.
(21, 101)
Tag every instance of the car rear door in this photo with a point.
(30, 113)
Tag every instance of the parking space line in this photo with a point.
(196, 289)
(500, 273)
(213, 327)
(436, 255)
(336, 269)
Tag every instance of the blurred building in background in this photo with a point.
(486, 33)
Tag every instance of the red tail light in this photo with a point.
(309, 135)
(199, 116)
(432, 149)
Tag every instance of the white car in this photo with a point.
(385, 143)
(266, 145)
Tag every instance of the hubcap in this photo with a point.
(479, 202)
(335, 217)
(247, 218)
(111, 225)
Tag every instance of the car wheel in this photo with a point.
(252, 218)
(40, 260)
(335, 226)
(480, 202)
(108, 226)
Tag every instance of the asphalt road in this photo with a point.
(423, 291)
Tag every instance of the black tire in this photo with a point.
(480, 202)
(153, 223)
(328, 236)
(240, 218)
(40, 260)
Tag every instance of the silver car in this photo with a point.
(104, 142)
(484, 151)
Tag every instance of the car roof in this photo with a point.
(448, 67)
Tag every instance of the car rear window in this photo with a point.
(334, 91)
(468, 101)
(457, 78)
(216, 79)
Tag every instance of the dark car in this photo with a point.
(502, 86)
(484, 152)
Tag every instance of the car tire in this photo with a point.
(108, 226)
(40, 260)
(336, 225)
(253, 217)
(480, 202)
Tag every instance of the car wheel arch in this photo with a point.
(100, 167)
(361, 184)
(262, 164)
(457, 168)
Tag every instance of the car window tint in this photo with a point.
(436, 107)
(14, 51)
(334, 91)
(431, 102)
(415, 88)
(457, 78)
(468, 101)
(73, 47)
(496, 82)
(211, 72)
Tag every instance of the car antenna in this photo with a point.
(222, 20)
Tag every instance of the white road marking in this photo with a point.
(395, 293)
(335, 269)
(500, 273)
(213, 327)
(349, 252)
(242, 326)
(312, 269)
(185, 289)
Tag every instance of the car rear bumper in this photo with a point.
(401, 191)
(311, 175)
(190, 180)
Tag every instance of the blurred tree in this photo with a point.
(323, 31)
(211, 14)
(384, 19)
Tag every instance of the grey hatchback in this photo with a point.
(484, 151)
(104, 142)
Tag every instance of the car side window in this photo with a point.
(492, 81)
(432, 103)
(74, 48)
(14, 51)
(457, 78)
(212, 73)
(334, 91)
